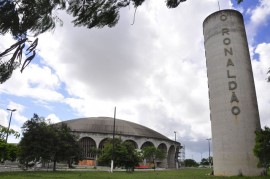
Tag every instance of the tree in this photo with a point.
(37, 141)
(5, 131)
(67, 147)
(262, 147)
(11, 152)
(133, 156)
(204, 161)
(190, 163)
(152, 154)
(107, 152)
(44, 142)
(8, 151)
(124, 154)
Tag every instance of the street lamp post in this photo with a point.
(209, 151)
(11, 111)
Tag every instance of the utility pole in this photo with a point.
(113, 139)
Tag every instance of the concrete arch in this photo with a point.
(102, 143)
(147, 144)
(87, 143)
(162, 163)
(171, 157)
(133, 143)
(163, 147)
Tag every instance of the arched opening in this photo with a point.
(147, 162)
(162, 163)
(171, 157)
(133, 143)
(102, 143)
(88, 146)
(147, 144)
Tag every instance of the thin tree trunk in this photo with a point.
(54, 165)
(69, 163)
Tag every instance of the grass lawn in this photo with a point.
(164, 174)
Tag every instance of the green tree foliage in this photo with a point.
(11, 152)
(8, 151)
(4, 131)
(124, 154)
(133, 156)
(262, 147)
(152, 154)
(204, 161)
(190, 163)
(37, 141)
(67, 146)
(44, 142)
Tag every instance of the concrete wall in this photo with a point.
(233, 102)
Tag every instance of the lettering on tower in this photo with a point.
(228, 53)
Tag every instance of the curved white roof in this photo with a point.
(105, 125)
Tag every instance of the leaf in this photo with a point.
(32, 46)
(137, 2)
(12, 47)
(19, 56)
(14, 56)
(173, 3)
(27, 61)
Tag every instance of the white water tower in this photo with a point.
(232, 95)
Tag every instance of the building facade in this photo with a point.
(94, 131)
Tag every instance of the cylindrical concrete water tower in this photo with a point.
(233, 102)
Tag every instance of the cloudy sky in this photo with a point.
(154, 71)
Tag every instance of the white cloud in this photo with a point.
(52, 118)
(262, 87)
(6, 42)
(261, 13)
(3, 117)
(35, 82)
(259, 17)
